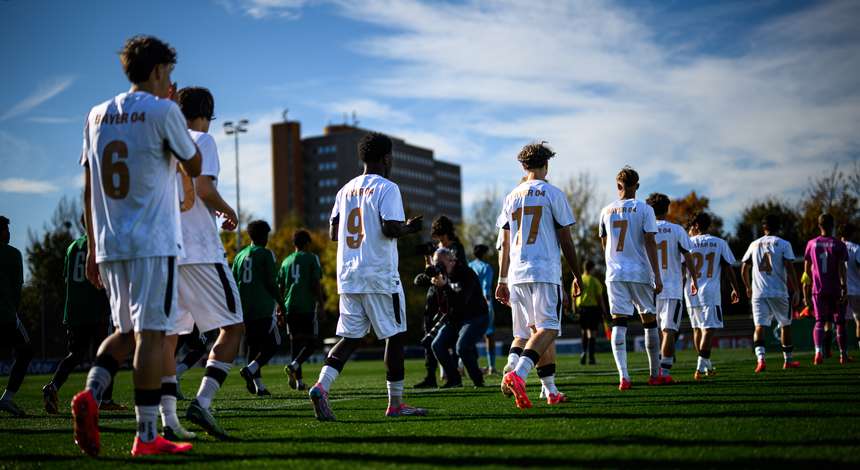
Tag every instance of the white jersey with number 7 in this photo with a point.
(532, 212)
(624, 224)
(129, 144)
(366, 258)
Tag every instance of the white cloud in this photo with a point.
(371, 110)
(43, 93)
(26, 186)
(290, 9)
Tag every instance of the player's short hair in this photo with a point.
(772, 222)
(373, 147)
(301, 239)
(659, 202)
(480, 251)
(535, 155)
(703, 220)
(141, 54)
(587, 266)
(826, 220)
(627, 176)
(196, 102)
(258, 230)
(847, 229)
(442, 225)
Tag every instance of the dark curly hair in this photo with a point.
(442, 225)
(703, 220)
(535, 155)
(627, 176)
(373, 147)
(480, 251)
(259, 230)
(659, 202)
(141, 54)
(301, 239)
(196, 102)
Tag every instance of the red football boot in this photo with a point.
(85, 411)
(761, 366)
(158, 446)
(791, 365)
(625, 385)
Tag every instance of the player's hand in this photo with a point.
(231, 220)
(795, 299)
(439, 280)
(658, 286)
(172, 90)
(503, 295)
(694, 287)
(93, 271)
(735, 297)
(415, 223)
(576, 288)
(749, 292)
(279, 317)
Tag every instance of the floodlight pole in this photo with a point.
(235, 130)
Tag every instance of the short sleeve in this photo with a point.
(601, 226)
(561, 211)
(500, 239)
(684, 243)
(787, 251)
(85, 147)
(176, 133)
(335, 210)
(728, 256)
(650, 221)
(749, 253)
(807, 253)
(391, 205)
(502, 218)
(211, 165)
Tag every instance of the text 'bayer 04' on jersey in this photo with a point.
(366, 258)
(672, 243)
(200, 236)
(624, 224)
(129, 144)
(708, 253)
(768, 255)
(532, 212)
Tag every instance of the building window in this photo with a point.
(326, 149)
(328, 182)
(323, 216)
(327, 166)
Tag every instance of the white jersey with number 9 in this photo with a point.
(129, 145)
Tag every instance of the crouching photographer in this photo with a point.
(461, 319)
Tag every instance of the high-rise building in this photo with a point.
(308, 172)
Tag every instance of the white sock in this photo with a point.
(759, 353)
(328, 374)
(700, 364)
(7, 395)
(513, 358)
(524, 366)
(708, 364)
(147, 422)
(652, 346)
(666, 364)
(97, 381)
(619, 350)
(180, 369)
(209, 386)
(258, 382)
(395, 390)
(818, 350)
(549, 383)
(786, 355)
(253, 367)
(168, 405)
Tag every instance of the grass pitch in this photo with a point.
(804, 417)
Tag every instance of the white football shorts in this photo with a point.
(706, 316)
(385, 313)
(208, 296)
(627, 298)
(854, 306)
(669, 314)
(142, 293)
(765, 309)
(535, 304)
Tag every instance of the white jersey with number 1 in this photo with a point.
(532, 212)
(672, 243)
(129, 144)
(366, 258)
(624, 224)
(709, 253)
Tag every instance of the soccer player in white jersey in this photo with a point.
(852, 273)
(536, 219)
(766, 271)
(710, 255)
(366, 221)
(633, 279)
(132, 216)
(208, 295)
(673, 253)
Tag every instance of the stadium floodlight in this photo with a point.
(235, 129)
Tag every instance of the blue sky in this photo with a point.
(737, 100)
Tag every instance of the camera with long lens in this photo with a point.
(435, 269)
(438, 322)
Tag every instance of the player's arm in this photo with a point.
(843, 281)
(281, 284)
(746, 269)
(205, 187)
(694, 280)
(651, 249)
(791, 281)
(503, 295)
(807, 287)
(268, 267)
(397, 229)
(332, 228)
(92, 268)
(733, 280)
(565, 240)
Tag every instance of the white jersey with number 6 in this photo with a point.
(532, 212)
(768, 255)
(624, 224)
(672, 243)
(708, 254)
(367, 259)
(129, 144)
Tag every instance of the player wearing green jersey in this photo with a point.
(254, 271)
(12, 331)
(84, 313)
(300, 290)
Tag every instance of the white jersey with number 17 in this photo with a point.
(532, 213)
(129, 144)
(624, 224)
(672, 243)
(366, 258)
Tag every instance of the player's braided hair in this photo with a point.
(535, 155)
(627, 176)
(373, 147)
(659, 202)
(196, 102)
(141, 54)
